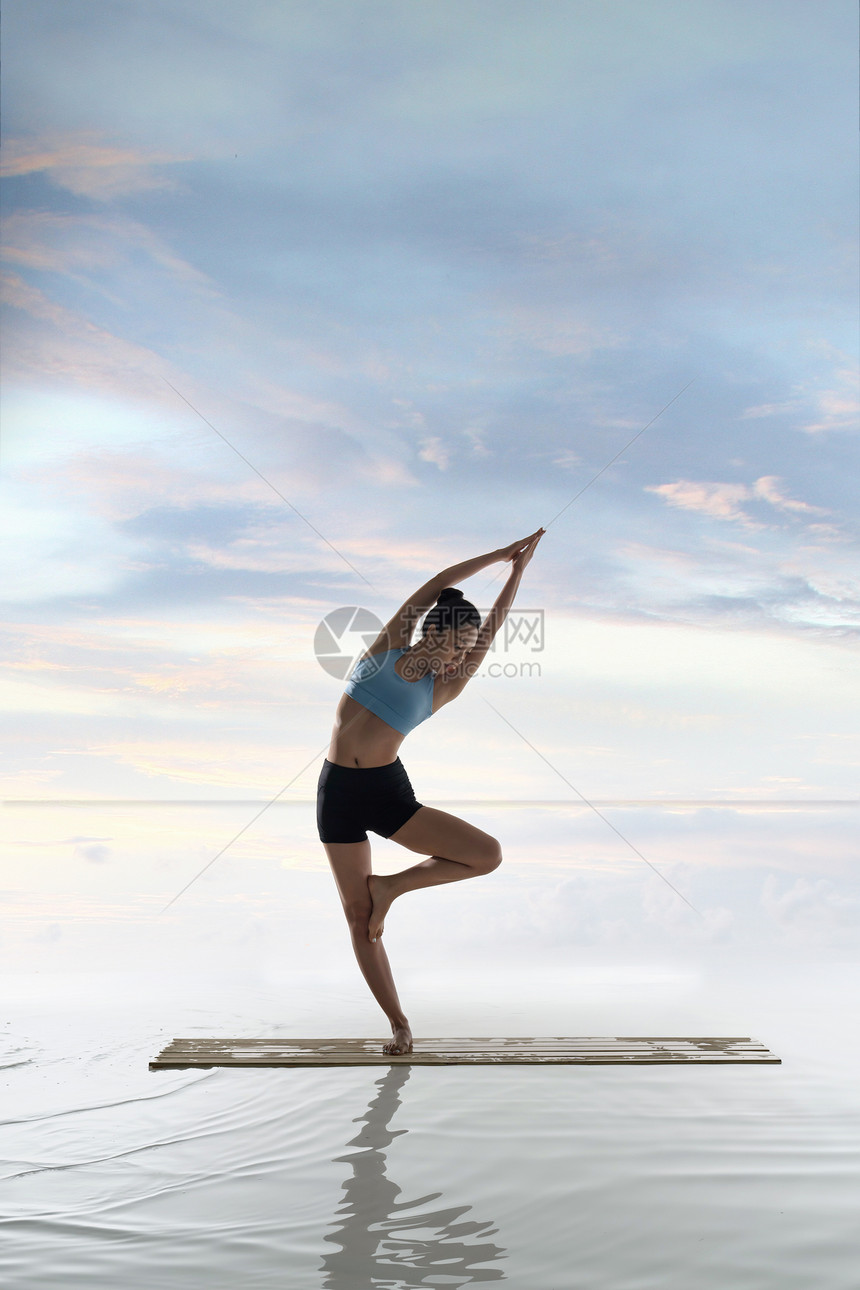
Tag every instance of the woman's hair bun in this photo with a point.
(451, 612)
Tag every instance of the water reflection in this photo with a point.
(399, 1244)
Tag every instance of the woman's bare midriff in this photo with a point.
(361, 738)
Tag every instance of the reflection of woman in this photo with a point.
(363, 783)
(381, 1239)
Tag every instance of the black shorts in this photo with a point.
(353, 799)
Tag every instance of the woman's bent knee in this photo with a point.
(491, 859)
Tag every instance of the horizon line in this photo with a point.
(458, 801)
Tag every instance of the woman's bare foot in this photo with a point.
(401, 1043)
(381, 896)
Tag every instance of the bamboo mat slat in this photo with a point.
(204, 1053)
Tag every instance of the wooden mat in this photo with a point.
(183, 1054)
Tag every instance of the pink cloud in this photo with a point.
(75, 349)
(767, 488)
(723, 501)
(84, 166)
(832, 400)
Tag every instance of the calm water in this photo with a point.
(548, 1179)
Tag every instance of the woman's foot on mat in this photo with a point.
(401, 1041)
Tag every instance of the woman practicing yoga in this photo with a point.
(363, 784)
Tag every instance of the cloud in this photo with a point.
(87, 167)
(429, 227)
(75, 244)
(389, 473)
(433, 450)
(838, 408)
(810, 586)
(722, 501)
(718, 500)
(812, 909)
(768, 488)
(74, 349)
(476, 438)
(208, 762)
(836, 395)
(125, 485)
(825, 402)
(210, 663)
(95, 853)
(48, 242)
(761, 410)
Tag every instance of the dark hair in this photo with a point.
(452, 610)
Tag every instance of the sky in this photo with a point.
(305, 302)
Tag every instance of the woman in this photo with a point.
(363, 784)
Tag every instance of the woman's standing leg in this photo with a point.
(350, 864)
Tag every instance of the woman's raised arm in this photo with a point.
(459, 572)
(519, 558)
(399, 628)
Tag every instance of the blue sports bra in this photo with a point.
(402, 704)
